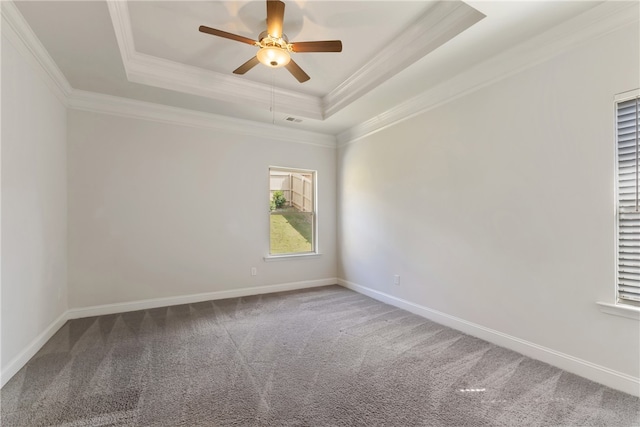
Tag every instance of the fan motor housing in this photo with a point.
(266, 40)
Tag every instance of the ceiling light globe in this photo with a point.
(273, 57)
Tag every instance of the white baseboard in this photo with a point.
(583, 368)
(100, 310)
(30, 350)
(25, 355)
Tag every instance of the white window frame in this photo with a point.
(315, 244)
(620, 307)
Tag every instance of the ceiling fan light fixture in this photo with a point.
(275, 49)
(273, 57)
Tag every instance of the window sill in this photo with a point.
(270, 258)
(628, 311)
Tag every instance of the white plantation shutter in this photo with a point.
(627, 125)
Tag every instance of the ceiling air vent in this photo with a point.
(293, 119)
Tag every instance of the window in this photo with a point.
(628, 197)
(292, 217)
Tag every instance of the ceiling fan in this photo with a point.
(274, 45)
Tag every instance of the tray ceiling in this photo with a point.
(160, 46)
(169, 30)
(393, 51)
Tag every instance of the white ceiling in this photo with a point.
(157, 31)
(152, 51)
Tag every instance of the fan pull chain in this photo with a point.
(273, 98)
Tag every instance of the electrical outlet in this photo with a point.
(396, 279)
(254, 271)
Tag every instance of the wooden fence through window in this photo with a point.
(297, 188)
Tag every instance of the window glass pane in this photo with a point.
(292, 207)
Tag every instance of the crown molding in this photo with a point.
(121, 20)
(597, 22)
(440, 23)
(129, 108)
(16, 29)
(159, 72)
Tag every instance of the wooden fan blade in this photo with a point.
(321, 46)
(246, 66)
(226, 35)
(297, 72)
(275, 17)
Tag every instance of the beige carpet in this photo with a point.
(317, 357)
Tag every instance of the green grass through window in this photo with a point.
(291, 232)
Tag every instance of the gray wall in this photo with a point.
(34, 206)
(498, 207)
(161, 210)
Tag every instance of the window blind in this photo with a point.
(627, 125)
